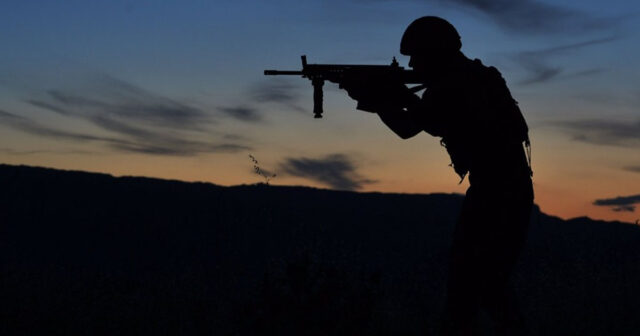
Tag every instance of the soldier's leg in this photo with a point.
(505, 239)
(463, 297)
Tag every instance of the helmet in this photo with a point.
(430, 34)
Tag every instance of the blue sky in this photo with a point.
(175, 89)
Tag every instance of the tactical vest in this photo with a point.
(493, 125)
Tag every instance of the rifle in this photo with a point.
(337, 73)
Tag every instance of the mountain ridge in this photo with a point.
(87, 253)
(260, 184)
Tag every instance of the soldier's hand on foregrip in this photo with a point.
(379, 96)
(357, 90)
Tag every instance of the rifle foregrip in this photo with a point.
(317, 97)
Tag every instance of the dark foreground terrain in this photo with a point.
(90, 254)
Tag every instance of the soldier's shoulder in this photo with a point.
(485, 73)
(487, 70)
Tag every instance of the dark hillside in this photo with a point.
(84, 253)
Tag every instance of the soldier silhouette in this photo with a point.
(468, 106)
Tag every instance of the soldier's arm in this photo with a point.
(395, 104)
(420, 115)
(404, 123)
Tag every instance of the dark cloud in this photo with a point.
(275, 90)
(9, 117)
(119, 99)
(135, 119)
(619, 204)
(536, 62)
(49, 106)
(539, 71)
(624, 208)
(32, 152)
(234, 137)
(126, 129)
(127, 107)
(187, 149)
(604, 132)
(279, 91)
(534, 17)
(29, 126)
(242, 113)
(599, 97)
(161, 143)
(531, 17)
(635, 169)
(587, 72)
(138, 140)
(336, 170)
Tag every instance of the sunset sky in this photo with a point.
(175, 89)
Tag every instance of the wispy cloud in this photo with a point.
(620, 203)
(242, 113)
(49, 106)
(534, 17)
(10, 151)
(537, 64)
(29, 126)
(604, 132)
(279, 91)
(117, 99)
(186, 149)
(152, 142)
(635, 169)
(624, 208)
(530, 17)
(132, 120)
(337, 171)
